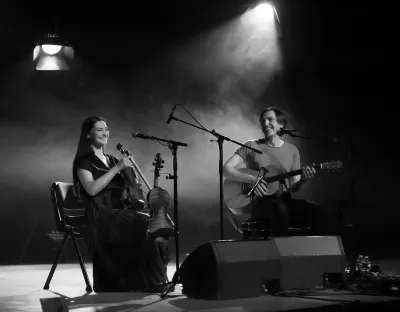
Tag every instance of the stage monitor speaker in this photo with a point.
(240, 269)
(229, 269)
(305, 259)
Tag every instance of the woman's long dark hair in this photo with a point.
(84, 148)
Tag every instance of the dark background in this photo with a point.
(337, 80)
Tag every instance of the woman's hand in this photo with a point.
(125, 162)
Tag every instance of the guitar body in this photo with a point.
(235, 192)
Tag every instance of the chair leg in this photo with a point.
(54, 266)
(83, 268)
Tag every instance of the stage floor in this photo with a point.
(21, 289)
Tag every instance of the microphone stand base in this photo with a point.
(175, 281)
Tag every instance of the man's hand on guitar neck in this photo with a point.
(308, 172)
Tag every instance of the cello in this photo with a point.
(160, 224)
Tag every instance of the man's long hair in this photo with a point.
(84, 149)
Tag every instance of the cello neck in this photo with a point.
(158, 161)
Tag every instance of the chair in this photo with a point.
(68, 213)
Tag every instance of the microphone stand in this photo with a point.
(220, 140)
(173, 146)
(175, 278)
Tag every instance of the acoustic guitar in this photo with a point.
(235, 192)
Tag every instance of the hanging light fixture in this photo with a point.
(53, 53)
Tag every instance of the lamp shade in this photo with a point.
(53, 53)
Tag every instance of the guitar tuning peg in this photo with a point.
(163, 161)
(153, 163)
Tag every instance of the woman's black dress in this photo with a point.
(124, 256)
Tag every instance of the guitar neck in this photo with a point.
(289, 174)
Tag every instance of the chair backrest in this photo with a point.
(68, 210)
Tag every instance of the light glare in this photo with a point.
(265, 10)
(51, 48)
(51, 63)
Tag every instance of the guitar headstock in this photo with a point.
(158, 164)
(332, 165)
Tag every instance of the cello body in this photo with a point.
(160, 224)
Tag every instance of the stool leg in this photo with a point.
(54, 266)
(83, 268)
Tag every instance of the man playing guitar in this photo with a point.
(277, 156)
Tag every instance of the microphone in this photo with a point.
(142, 136)
(171, 115)
(149, 137)
(287, 131)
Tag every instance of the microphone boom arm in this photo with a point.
(217, 135)
(149, 137)
(291, 132)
